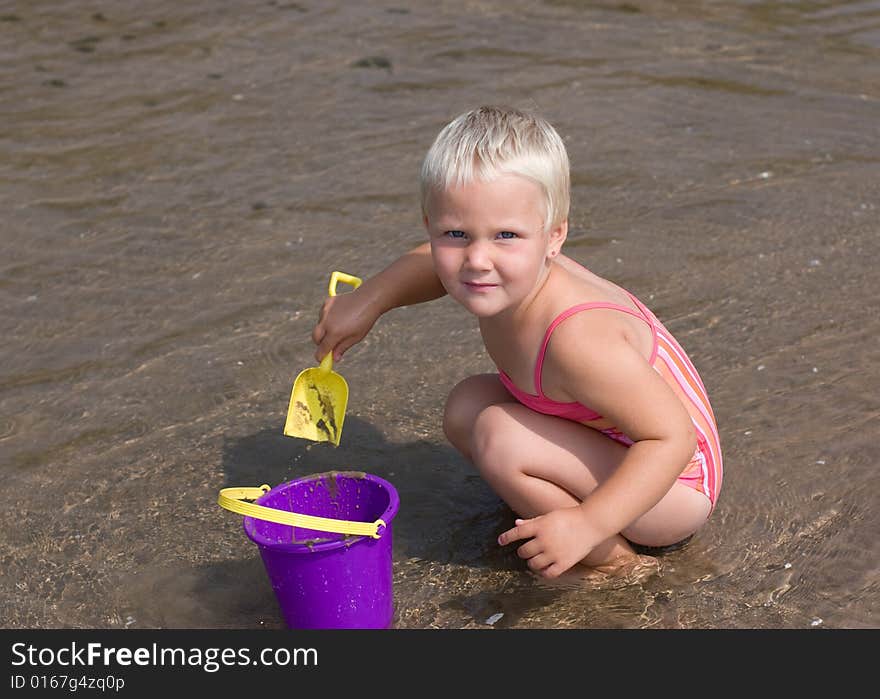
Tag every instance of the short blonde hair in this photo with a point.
(487, 142)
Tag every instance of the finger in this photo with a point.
(318, 333)
(322, 313)
(554, 570)
(341, 349)
(320, 338)
(522, 530)
(540, 563)
(511, 535)
(325, 306)
(530, 549)
(326, 345)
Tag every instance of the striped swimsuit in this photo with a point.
(703, 472)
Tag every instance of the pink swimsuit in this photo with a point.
(703, 472)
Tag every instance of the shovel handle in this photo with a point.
(231, 499)
(337, 277)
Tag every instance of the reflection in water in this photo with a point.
(180, 180)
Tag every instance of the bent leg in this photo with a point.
(537, 463)
(465, 402)
(528, 496)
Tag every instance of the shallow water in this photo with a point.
(179, 180)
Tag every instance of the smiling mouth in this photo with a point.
(479, 285)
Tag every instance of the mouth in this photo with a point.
(478, 286)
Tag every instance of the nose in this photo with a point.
(477, 256)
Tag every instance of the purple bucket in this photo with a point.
(324, 580)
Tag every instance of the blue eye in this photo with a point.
(507, 235)
(455, 234)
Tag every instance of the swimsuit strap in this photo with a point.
(648, 317)
(567, 313)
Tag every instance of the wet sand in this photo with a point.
(179, 181)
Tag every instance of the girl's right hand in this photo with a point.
(344, 321)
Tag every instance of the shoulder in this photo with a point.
(585, 332)
(586, 327)
(592, 346)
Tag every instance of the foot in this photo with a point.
(621, 572)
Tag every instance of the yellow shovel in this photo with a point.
(319, 396)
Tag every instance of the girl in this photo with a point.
(596, 429)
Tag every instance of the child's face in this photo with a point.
(488, 244)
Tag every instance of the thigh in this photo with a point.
(468, 398)
(578, 458)
(568, 454)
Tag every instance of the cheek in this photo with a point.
(444, 261)
(526, 266)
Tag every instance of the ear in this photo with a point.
(556, 238)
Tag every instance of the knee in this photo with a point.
(493, 450)
(462, 407)
(456, 417)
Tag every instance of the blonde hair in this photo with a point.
(487, 142)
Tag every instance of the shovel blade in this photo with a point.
(317, 406)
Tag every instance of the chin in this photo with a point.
(480, 307)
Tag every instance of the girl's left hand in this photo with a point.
(559, 539)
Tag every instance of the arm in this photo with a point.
(617, 382)
(591, 361)
(346, 319)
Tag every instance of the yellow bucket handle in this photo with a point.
(231, 499)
